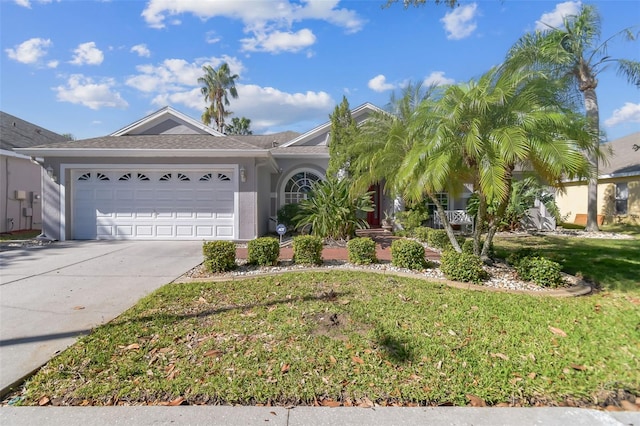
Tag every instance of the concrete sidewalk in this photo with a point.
(50, 295)
(312, 416)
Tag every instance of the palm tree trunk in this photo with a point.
(593, 118)
(445, 221)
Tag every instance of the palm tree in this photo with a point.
(240, 126)
(481, 132)
(217, 85)
(576, 54)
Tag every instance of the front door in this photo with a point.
(373, 217)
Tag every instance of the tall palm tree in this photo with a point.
(576, 54)
(482, 131)
(217, 85)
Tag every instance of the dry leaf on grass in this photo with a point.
(357, 359)
(500, 355)
(557, 331)
(476, 401)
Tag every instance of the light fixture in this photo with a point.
(50, 173)
(243, 174)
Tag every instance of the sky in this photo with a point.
(89, 68)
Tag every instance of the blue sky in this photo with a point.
(91, 67)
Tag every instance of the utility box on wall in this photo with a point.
(27, 211)
(20, 195)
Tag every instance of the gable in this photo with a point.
(166, 121)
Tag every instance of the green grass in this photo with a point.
(19, 235)
(608, 263)
(310, 338)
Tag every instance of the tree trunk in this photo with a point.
(445, 222)
(593, 118)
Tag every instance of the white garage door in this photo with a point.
(154, 204)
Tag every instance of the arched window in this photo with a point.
(298, 186)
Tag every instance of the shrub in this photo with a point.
(422, 233)
(263, 251)
(540, 270)
(286, 215)
(362, 251)
(464, 267)
(219, 256)
(467, 247)
(408, 254)
(438, 239)
(307, 250)
(412, 218)
(514, 258)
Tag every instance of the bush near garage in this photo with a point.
(408, 254)
(219, 256)
(362, 251)
(263, 251)
(307, 250)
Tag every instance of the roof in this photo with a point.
(162, 115)
(267, 141)
(149, 145)
(305, 151)
(624, 159)
(18, 133)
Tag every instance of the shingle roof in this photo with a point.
(177, 142)
(301, 150)
(267, 141)
(624, 159)
(18, 133)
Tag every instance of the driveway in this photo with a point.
(50, 295)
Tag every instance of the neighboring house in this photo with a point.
(21, 178)
(168, 176)
(618, 186)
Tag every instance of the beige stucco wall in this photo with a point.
(19, 174)
(574, 200)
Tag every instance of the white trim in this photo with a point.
(14, 154)
(127, 167)
(302, 155)
(167, 110)
(609, 176)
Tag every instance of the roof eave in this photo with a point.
(146, 153)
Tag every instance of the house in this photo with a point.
(168, 176)
(21, 178)
(618, 186)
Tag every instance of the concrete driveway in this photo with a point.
(52, 294)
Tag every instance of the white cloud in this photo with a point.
(629, 113)
(177, 74)
(268, 23)
(87, 54)
(437, 78)
(84, 91)
(27, 3)
(142, 50)
(554, 18)
(211, 37)
(460, 22)
(279, 41)
(53, 64)
(30, 51)
(379, 84)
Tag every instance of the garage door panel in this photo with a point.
(153, 205)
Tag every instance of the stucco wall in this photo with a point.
(574, 200)
(19, 174)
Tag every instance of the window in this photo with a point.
(443, 198)
(85, 176)
(298, 186)
(102, 176)
(622, 197)
(165, 177)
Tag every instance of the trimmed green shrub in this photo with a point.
(412, 218)
(540, 270)
(408, 254)
(464, 267)
(514, 258)
(286, 215)
(422, 233)
(307, 250)
(438, 239)
(219, 256)
(263, 251)
(362, 251)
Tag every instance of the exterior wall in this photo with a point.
(574, 200)
(18, 173)
(263, 196)
(58, 213)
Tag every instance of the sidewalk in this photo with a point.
(312, 416)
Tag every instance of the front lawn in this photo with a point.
(351, 338)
